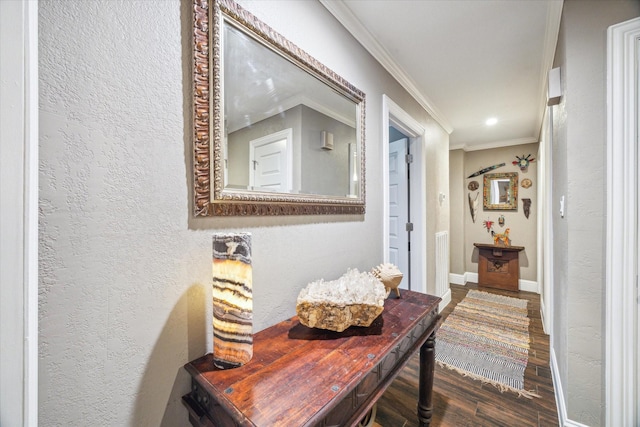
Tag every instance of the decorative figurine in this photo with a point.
(501, 239)
(390, 276)
(526, 206)
(523, 162)
(488, 224)
(473, 206)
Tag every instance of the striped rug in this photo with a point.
(486, 337)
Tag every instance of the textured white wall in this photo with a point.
(125, 268)
(579, 174)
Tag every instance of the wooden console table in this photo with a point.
(498, 266)
(300, 376)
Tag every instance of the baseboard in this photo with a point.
(528, 286)
(462, 279)
(457, 279)
(560, 400)
(446, 299)
(543, 315)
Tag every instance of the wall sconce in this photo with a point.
(327, 140)
(554, 88)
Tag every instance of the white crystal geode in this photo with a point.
(355, 299)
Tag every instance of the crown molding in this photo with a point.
(554, 15)
(345, 16)
(496, 144)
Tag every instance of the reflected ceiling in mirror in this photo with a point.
(282, 134)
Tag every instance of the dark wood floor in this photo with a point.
(460, 401)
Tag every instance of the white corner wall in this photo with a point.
(579, 237)
(125, 268)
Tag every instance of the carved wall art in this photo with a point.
(523, 162)
(526, 207)
(473, 206)
(526, 183)
(485, 170)
(473, 185)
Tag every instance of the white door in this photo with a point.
(398, 209)
(270, 162)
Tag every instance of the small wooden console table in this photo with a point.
(498, 266)
(300, 376)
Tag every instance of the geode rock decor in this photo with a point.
(355, 299)
(232, 300)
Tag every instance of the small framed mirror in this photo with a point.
(501, 191)
(276, 132)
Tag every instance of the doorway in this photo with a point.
(400, 226)
(270, 161)
(413, 195)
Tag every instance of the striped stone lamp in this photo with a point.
(232, 300)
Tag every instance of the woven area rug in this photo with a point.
(486, 337)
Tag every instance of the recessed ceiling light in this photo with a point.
(491, 121)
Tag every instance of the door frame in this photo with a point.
(621, 329)
(19, 225)
(392, 114)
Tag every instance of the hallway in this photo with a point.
(460, 401)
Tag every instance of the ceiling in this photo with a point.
(464, 60)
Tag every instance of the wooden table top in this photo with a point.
(297, 372)
(504, 248)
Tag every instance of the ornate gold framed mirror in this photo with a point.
(500, 191)
(275, 131)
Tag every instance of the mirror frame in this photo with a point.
(210, 196)
(512, 205)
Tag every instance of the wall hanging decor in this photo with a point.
(488, 224)
(501, 220)
(526, 183)
(526, 207)
(500, 191)
(485, 170)
(473, 206)
(234, 50)
(232, 300)
(473, 185)
(523, 162)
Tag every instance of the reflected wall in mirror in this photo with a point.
(501, 191)
(276, 132)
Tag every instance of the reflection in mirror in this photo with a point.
(501, 191)
(286, 134)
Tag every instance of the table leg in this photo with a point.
(425, 393)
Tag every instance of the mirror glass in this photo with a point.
(285, 130)
(500, 191)
(286, 133)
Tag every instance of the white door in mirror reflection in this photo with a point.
(270, 161)
(398, 209)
